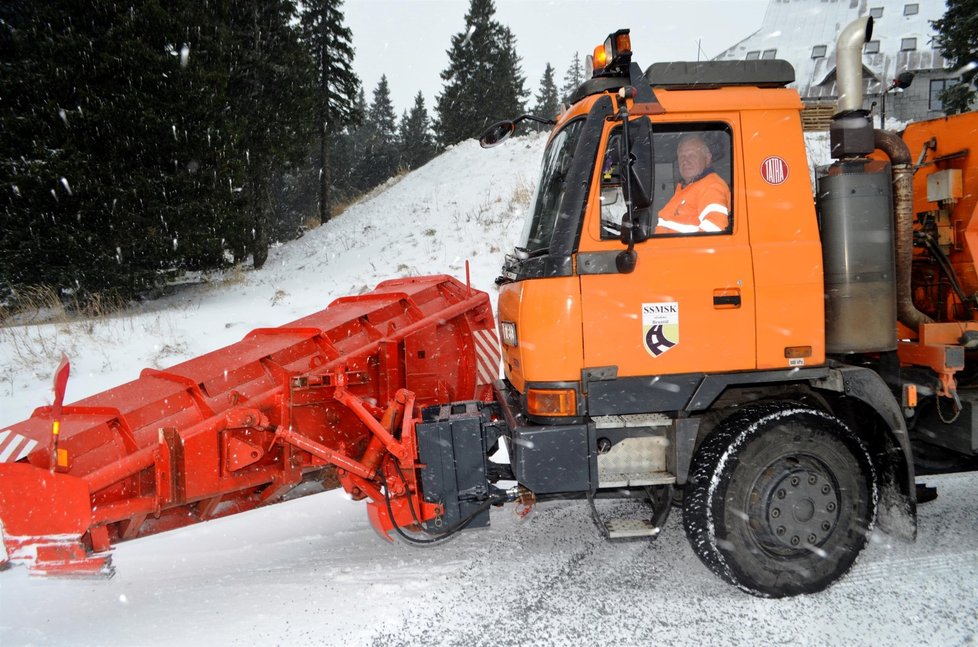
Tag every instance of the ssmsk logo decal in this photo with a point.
(660, 326)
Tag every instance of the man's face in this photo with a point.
(694, 157)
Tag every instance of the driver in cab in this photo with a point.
(701, 203)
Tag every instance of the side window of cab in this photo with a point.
(692, 180)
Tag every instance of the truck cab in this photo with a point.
(744, 298)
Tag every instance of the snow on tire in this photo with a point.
(781, 499)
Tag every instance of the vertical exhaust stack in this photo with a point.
(866, 225)
(851, 132)
(856, 221)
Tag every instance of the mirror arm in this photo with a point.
(539, 120)
(626, 260)
(490, 137)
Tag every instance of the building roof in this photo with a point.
(804, 32)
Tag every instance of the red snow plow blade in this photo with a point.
(243, 425)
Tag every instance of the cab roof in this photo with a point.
(702, 75)
(697, 75)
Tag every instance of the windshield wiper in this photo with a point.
(513, 262)
(524, 254)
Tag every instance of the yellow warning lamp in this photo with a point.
(599, 58)
(613, 57)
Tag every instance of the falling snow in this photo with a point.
(313, 571)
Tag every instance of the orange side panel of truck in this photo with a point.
(548, 312)
(952, 136)
(784, 236)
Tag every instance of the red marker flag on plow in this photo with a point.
(60, 384)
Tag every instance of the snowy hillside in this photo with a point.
(312, 571)
(467, 204)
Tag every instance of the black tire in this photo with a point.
(781, 499)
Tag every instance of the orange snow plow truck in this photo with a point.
(779, 366)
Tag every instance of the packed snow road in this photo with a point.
(313, 571)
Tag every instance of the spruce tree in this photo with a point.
(573, 78)
(378, 156)
(508, 98)
(417, 146)
(381, 111)
(957, 38)
(331, 43)
(358, 136)
(271, 90)
(111, 162)
(483, 80)
(548, 103)
(342, 160)
(142, 139)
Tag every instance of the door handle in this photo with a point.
(726, 298)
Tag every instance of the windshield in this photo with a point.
(550, 191)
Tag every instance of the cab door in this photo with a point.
(688, 308)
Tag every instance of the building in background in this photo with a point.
(803, 32)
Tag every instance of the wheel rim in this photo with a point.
(794, 506)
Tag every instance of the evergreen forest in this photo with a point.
(147, 141)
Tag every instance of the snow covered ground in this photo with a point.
(312, 571)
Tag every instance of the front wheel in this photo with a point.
(781, 499)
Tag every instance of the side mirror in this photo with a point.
(633, 232)
(636, 154)
(640, 179)
(496, 133)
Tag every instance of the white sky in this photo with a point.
(408, 39)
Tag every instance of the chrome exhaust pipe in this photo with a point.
(851, 132)
(849, 64)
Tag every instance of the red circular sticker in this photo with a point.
(774, 170)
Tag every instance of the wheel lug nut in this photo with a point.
(795, 540)
(776, 513)
(781, 494)
(812, 479)
(795, 480)
(830, 507)
(826, 526)
(781, 530)
(825, 489)
(812, 539)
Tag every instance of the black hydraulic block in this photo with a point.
(453, 441)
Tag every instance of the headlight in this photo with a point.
(507, 331)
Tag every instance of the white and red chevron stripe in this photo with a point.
(14, 447)
(487, 355)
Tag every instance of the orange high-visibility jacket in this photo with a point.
(700, 206)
